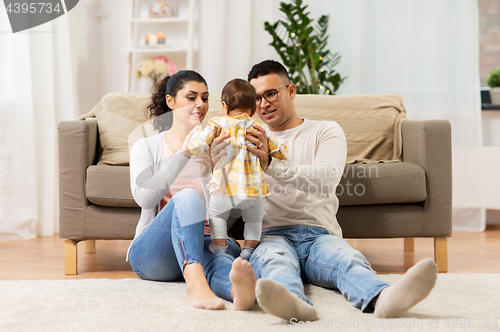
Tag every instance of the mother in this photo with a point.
(170, 240)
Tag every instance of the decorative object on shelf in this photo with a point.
(301, 43)
(153, 39)
(155, 68)
(141, 27)
(493, 82)
(161, 38)
(161, 9)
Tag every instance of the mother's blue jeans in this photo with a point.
(175, 238)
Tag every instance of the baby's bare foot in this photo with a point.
(243, 279)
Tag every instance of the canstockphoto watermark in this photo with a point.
(325, 180)
(438, 324)
(26, 14)
(357, 323)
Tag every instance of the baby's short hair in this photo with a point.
(239, 93)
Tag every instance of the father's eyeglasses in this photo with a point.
(269, 95)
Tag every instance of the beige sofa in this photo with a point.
(407, 196)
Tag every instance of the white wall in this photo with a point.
(96, 44)
(232, 38)
(84, 30)
(113, 30)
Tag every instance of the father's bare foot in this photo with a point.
(199, 294)
(243, 279)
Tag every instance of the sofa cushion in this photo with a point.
(371, 122)
(382, 183)
(109, 186)
(361, 184)
(119, 115)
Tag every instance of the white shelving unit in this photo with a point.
(491, 158)
(179, 32)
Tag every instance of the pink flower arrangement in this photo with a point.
(155, 68)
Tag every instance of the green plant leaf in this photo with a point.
(302, 44)
(493, 79)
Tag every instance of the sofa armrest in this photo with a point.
(77, 150)
(428, 144)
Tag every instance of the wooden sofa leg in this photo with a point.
(441, 253)
(70, 257)
(409, 244)
(90, 246)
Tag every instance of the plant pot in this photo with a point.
(495, 95)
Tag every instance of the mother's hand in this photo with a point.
(184, 149)
(258, 137)
(204, 163)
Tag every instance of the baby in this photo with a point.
(238, 182)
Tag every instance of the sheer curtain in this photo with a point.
(426, 50)
(36, 93)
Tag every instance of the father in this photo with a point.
(302, 240)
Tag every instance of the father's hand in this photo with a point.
(217, 151)
(258, 137)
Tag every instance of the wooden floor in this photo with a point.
(43, 258)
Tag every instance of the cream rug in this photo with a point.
(459, 302)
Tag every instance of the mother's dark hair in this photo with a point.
(170, 85)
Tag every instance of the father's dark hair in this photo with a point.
(267, 67)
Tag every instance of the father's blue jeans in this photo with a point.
(175, 237)
(303, 254)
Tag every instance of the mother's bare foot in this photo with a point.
(243, 279)
(199, 294)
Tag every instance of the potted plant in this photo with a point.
(493, 82)
(301, 43)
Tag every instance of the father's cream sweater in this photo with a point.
(303, 187)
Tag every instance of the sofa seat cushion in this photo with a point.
(109, 186)
(382, 183)
(361, 184)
